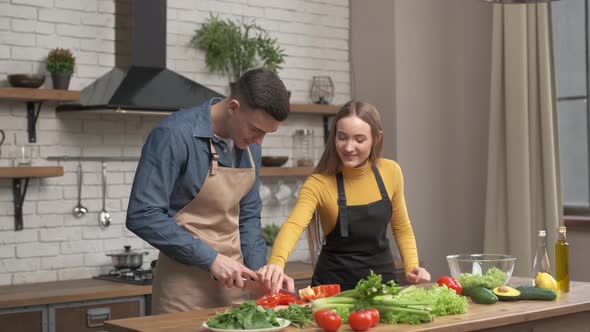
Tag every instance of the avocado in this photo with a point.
(506, 293)
(481, 295)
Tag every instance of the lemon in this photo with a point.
(545, 280)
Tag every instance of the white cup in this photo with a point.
(265, 194)
(283, 193)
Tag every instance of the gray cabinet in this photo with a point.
(29, 319)
(73, 316)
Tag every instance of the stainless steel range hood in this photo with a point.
(145, 86)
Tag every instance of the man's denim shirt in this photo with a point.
(174, 163)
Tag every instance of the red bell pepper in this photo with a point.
(451, 283)
(272, 300)
(318, 292)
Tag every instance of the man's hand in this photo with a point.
(229, 272)
(274, 278)
(418, 275)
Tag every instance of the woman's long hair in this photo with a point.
(330, 163)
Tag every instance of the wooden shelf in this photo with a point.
(20, 181)
(319, 109)
(286, 171)
(28, 94)
(33, 99)
(30, 172)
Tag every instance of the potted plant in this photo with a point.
(60, 63)
(269, 233)
(233, 48)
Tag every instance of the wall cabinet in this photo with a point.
(75, 316)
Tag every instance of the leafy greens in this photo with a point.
(245, 317)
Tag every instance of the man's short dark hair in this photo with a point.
(261, 88)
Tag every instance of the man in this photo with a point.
(195, 195)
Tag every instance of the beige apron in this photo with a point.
(213, 217)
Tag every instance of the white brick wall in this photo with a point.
(57, 246)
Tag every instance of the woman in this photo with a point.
(357, 194)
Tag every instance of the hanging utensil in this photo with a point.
(104, 218)
(79, 210)
(2, 137)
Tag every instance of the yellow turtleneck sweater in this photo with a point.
(320, 192)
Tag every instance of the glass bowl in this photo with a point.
(489, 270)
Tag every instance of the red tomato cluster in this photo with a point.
(330, 321)
(451, 283)
(363, 320)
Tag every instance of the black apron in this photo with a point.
(358, 243)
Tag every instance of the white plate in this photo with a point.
(283, 323)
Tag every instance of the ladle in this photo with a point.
(104, 218)
(79, 210)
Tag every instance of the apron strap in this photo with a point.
(380, 182)
(342, 211)
(251, 158)
(215, 156)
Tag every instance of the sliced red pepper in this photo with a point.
(318, 292)
(326, 290)
(285, 299)
(272, 300)
(268, 301)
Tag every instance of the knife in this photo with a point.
(284, 291)
(243, 279)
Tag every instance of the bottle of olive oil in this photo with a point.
(562, 268)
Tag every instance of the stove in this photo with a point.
(137, 276)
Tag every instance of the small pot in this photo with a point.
(61, 81)
(127, 259)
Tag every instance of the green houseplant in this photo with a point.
(60, 63)
(269, 233)
(233, 48)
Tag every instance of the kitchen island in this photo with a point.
(570, 312)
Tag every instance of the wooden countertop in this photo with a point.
(299, 270)
(92, 289)
(478, 317)
(66, 291)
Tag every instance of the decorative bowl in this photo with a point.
(26, 80)
(493, 269)
(274, 161)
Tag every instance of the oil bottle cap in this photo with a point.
(562, 229)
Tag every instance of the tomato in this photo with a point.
(320, 313)
(327, 319)
(451, 283)
(360, 320)
(375, 316)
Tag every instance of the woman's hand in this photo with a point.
(273, 277)
(418, 275)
